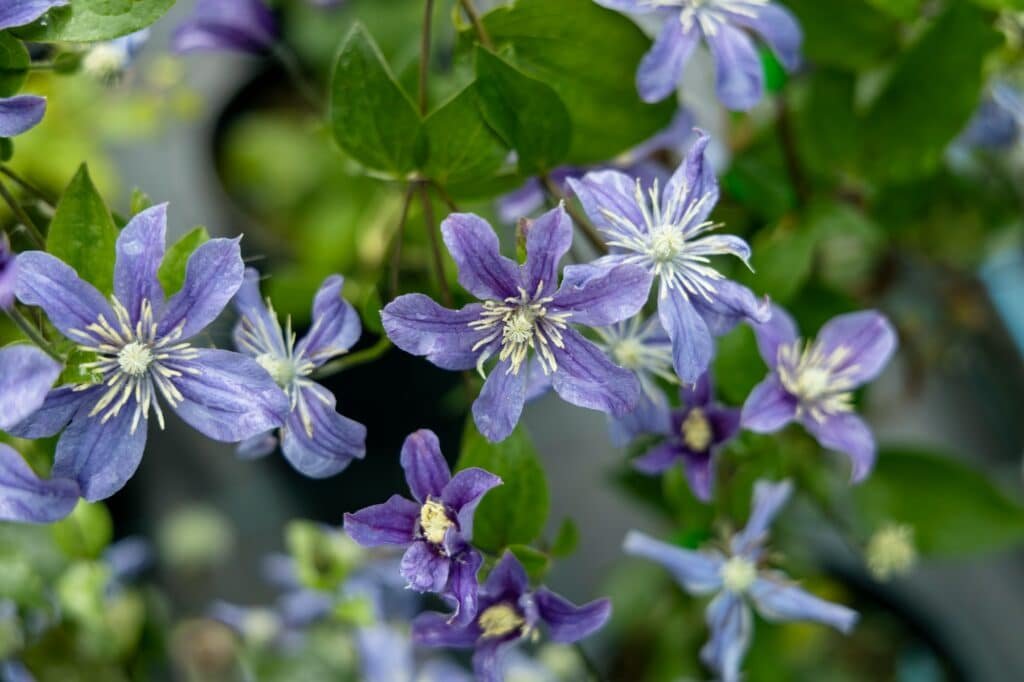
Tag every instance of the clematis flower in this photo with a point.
(738, 579)
(21, 12)
(25, 496)
(813, 382)
(524, 312)
(510, 612)
(724, 26)
(142, 350)
(315, 439)
(26, 376)
(694, 435)
(246, 26)
(20, 114)
(436, 528)
(666, 234)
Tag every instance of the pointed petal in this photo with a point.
(68, 301)
(649, 417)
(547, 241)
(140, 249)
(769, 407)
(537, 382)
(769, 499)
(53, 415)
(587, 378)
(693, 191)
(608, 191)
(662, 66)
(487, 661)
(26, 375)
(464, 492)
(419, 326)
(507, 580)
(212, 276)
(778, 601)
(264, 329)
(424, 568)
(497, 409)
(692, 346)
(483, 271)
(390, 523)
(866, 337)
(658, 459)
(849, 434)
(731, 625)
(739, 74)
(22, 113)
(26, 497)
(700, 474)
(779, 28)
(433, 630)
(328, 442)
(100, 457)
(426, 470)
(725, 422)
(779, 330)
(463, 586)
(598, 296)
(697, 394)
(697, 572)
(568, 623)
(336, 326)
(732, 303)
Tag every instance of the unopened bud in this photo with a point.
(891, 551)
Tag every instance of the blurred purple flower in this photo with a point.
(20, 113)
(524, 310)
(8, 273)
(436, 528)
(737, 580)
(140, 342)
(20, 12)
(997, 123)
(246, 26)
(813, 382)
(315, 439)
(724, 26)
(667, 236)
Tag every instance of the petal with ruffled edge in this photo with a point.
(474, 246)
(662, 66)
(568, 623)
(769, 407)
(739, 73)
(463, 589)
(464, 492)
(609, 192)
(71, 303)
(867, 340)
(21, 113)
(778, 27)
(731, 304)
(692, 345)
(597, 296)
(547, 241)
(258, 330)
(424, 568)
(692, 191)
(732, 626)
(227, 396)
(57, 409)
(418, 325)
(778, 601)
(658, 459)
(390, 523)
(140, 249)
(426, 470)
(26, 375)
(212, 276)
(336, 326)
(587, 378)
(100, 456)
(697, 572)
(769, 499)
(497, 409)
(433, 630)
(318, 441)
(26, 497)
(849, 434)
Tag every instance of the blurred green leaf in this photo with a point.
(373, 120)
(849, 245)
(1001, 4)
(460, 145)
(323, 557)
(515, 512)
(783, 258)
(827, 126)
(172, 269)
(901, 9)
(535, 562)
(84, 21)
(849, 34)
(74, 373)
(140, 201)
(566, 539)
(738, 366)
(13, 65)
(86, 532)
(82, 232)
(525, 112)
(758, 180)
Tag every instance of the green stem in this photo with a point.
(787, 140)
(355, 359)
(23, 217)
(32, 333)
(478, 24)
(396, 251)
(592, 669)
(287, 59)
(435, 246)
(428, 16)
(28, 187)
(588, 230)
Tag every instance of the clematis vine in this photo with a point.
(510, 612)
(738, 579)
(723, 25)
(524, 313)
(21, 12)
(246, 26)
(315, 439)
(142, 350)
(666, 233)
(435, 527)
(813, 381)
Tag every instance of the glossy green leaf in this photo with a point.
(172, 270)
(461, 147)
(13, 65)
(85, 21)
(566, 539)
(82, 232)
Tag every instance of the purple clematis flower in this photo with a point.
(509, 612)
(315, 439)
(27, 497)
(694, 435)
(436, 528)
(20, 114)
(737, 579)
(246, 26)
(813, 382)
(142, 350)
(26, 376)
(524, 310)
(667, 236)
(724, 26)
(21, 12)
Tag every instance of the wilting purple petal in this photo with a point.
(696, 182)
(547, 240)
(426, 470)
(731, 625)
(849, 434)
(779, 330)
(228, 25)
(212, 276)
(661, 68)
(432, 629)
(611, 191)
(336, 326)
(463, 587)
(598, 297)
(867, 339)
(425, 568)
(26, 375)
(779, 601)
(228, 396)
(101, 457)
(497, 409)
(587, 378)
(390, 523)
(54, 414)
(658, 459)
(778, 27)
(26, 497)
(769, 407)
(140, 249)
(332, 441)
(697, 572)
(732, 303)
(68, 301)
(418, 325)
(739, 74)
(769, 499)
(568, 623)
(507, 579)
(474, 246)
(464, 492)
(21, 113)
(692, 346)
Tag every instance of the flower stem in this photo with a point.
(290, 63)
(355, 359)
(32, 333)
(28, 187)
(23, 217)
(478, 24)
(588, 230)
(435, 245)
(428, 16)
(588, 662)
(787, 140)
(396, 251)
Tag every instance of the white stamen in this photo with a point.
(822, 381)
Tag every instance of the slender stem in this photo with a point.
(396, 251)
(435, 245)
(589, 664)
(446, 197)
(784, 127)
(478, 24)
(23, 217)
(428, 16)
(287, 59)
(588, 230)
(32, 333)
(28, 187)
(361, 357)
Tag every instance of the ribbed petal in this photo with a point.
(867, 340)
(497, 409)
(598, 296)
(769, 407)
(464, 492)
(418, 325)
(692, 191)
(739, 74)
(662, 67)
(70, 302)
(697, 572)
(426, 470)
(474, 246)
(463, 588)
(390, 523)
(57, 409)
(778, 27)
(250, 304)
(547, 241)
(507, 579)
(336, 326)
(101, 457)
(258, 446)
(140, 249)
(849, 434)
(692, 345)
(212, 276)
(424, 568)
(568, 623)
(21, 113)
(26, 375)
(609, 191)
(778, 601)
(731, 304)
(587, 378)
(26, 497)
(330, 443)
(732, 627)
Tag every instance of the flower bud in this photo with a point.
(891, 551)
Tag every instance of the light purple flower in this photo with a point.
(724, 26)
(813, 382)
(436, 528)
(509, 612)
(227, 26)
(20, 114)
(694, 434)
(142, 350)
(666, 234)
(26, 497)
(26, 376)
(20, 12)
(315, 439)
(524, 312)
(739, 579)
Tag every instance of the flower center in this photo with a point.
(105, 61)
(500, 620)
(738, 574)
(667, 242)
(696, 430)
(819, 380)
(281, 370)
(891, 551)
(135, 358)
(434, 521)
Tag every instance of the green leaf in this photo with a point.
(953, 508)
(535, 562)
(849, 34)
(86, 532)
(85, 21)
(515, 512)
(782, 260)
(140, 202)
(14, 63)
(82, 232)
(588, 55)
(827, 125)
(74, 373)
(373, 120)
(172, 270)
(460, 145)
(930, 96)
(903, 9)
(525, 112)
(998, 4)
(566, 540)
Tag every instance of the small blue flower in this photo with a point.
(246, 26)
(315, 439)
(739, 579)
(21, 12)
(20, 114)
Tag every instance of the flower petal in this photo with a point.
(647, 418)
(547, 241)
(228, 397)
(426, 470)
(692, 346)
(22, 113)
(507, 580)
(385, 654)
(692, 191)
(101, 457)
(697, 394)
(849, 434)
(318, 441)
(568, 623)
(140, 249)
(336, 326)
(487, 660)
(769, 407)
(631, 6)
(731, 625)
(697, 572)
(212, 276)
(20, 12)
(464, 492)
(608, 191)
(419, 326)
(739, 74)
(463, 588)
(390, 523)
(868, 340)
(778, 330)
(26, 375)
(731, 304)
(725, 422)
(68, 301)
(769, 499)
(658, 459)
(258, 330)
(700, 474)
(598, 296)
(432, 629)
(232, 25)
(26, 497)
(779, 602)
(474, 246)
(497, 409)
(778, 27)
(57, 409)
(258, 446)
(587, 378)
(424, 568)
(662, 66)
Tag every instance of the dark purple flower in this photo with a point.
(813, 382)
(20, 113)
(20, 12)
(142, 350)
(667, 236)
(227, 26)
(524, 312)
(26, 376)
(724, 26)
(997, 123)
(8, 273)
(315, 439)
(694, 434)
(436, 528)
(509, 612)
(739, 578)
(26, 497)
